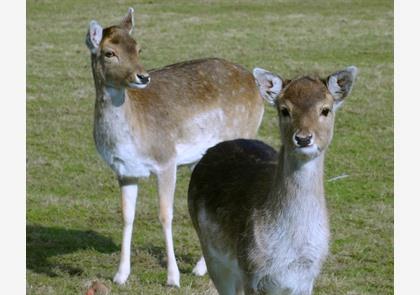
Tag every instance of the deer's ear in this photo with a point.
(94, 36)
(127, 22)
(269, 84)
(340, 84)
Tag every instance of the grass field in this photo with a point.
(73, 209)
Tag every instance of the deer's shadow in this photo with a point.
(45, 242)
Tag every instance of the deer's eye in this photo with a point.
(109, 54)
(325, 111)
(140, 50)
(285, 112)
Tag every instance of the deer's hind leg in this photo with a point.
(225, 274)
(200, 268)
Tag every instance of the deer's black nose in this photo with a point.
(303, 141)
(144, 78)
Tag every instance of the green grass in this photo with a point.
(73, 212)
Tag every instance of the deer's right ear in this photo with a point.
(94, 36)
(269, 84)
(127, 22)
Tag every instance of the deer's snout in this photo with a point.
(144, 78)
(303, 139)
(141, 80)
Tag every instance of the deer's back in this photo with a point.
(229, 182)
(191, 106)
(182, 90)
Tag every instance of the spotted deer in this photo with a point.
(153, 121)
(261, 216)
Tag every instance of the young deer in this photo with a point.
(153, 122)
(260, 215)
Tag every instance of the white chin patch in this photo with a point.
(309, 151)
(138, 85)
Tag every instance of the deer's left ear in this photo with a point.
(127, 22)
(340, 84)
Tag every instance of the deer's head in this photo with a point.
(115, 54)
(306, 107)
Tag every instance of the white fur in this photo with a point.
(198, 144)
(122, 157)
(307, 152)
(293, 261)
(166, 189)
(172, 267)
(200, 268)
(129, 196)
(299, 235)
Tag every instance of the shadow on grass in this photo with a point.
(45, 242)
(159, 253)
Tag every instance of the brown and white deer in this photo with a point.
(152, 122)
(260, 215)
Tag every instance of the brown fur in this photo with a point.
(203, 85)
(186, 108)
(118, 41)
(179, 92)
(261, 216)
(305, 98)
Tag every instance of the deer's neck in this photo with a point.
(107, 95)
(298, 187)
(112, 123)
